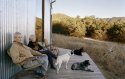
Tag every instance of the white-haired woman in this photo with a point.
(34, 45)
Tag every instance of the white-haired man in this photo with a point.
(26, 57)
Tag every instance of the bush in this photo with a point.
(116, 33)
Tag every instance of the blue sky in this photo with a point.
(99, 8)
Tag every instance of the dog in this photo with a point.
(81, 66)
(62, 59)
(78, 51)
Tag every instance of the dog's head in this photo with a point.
(86, 63)
(72, 52)
(81, 49)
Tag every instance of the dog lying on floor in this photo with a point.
(81, 66)
(62, 59)
(78, 51)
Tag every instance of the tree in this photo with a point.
(115, 32)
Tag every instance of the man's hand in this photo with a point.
(43, 54)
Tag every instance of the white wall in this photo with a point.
(15, 15)
(47, 20)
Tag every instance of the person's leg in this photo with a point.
(50, 55)
(48, 52)
(51, 61)
(43, 60)
(41, 70)
(40, 62)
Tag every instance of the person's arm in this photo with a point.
(44, 44)
(32, 49)
(35, 53)
(14, 53)
(41, 44)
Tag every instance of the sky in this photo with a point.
(98, 8)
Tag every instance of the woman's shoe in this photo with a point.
(52, 67)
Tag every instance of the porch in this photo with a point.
(67, 74)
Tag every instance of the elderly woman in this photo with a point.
(26, 57)
(34, 45)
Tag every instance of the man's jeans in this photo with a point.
(38, 61)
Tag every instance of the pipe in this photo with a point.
(43, 9)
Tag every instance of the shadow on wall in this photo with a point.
(8, 44)
(25, 40)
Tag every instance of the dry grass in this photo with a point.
(112, 64)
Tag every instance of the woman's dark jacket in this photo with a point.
(35, 46)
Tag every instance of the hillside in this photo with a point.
(59, 16)
(107, 29)
(114, 19)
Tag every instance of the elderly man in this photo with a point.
(26, 57)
